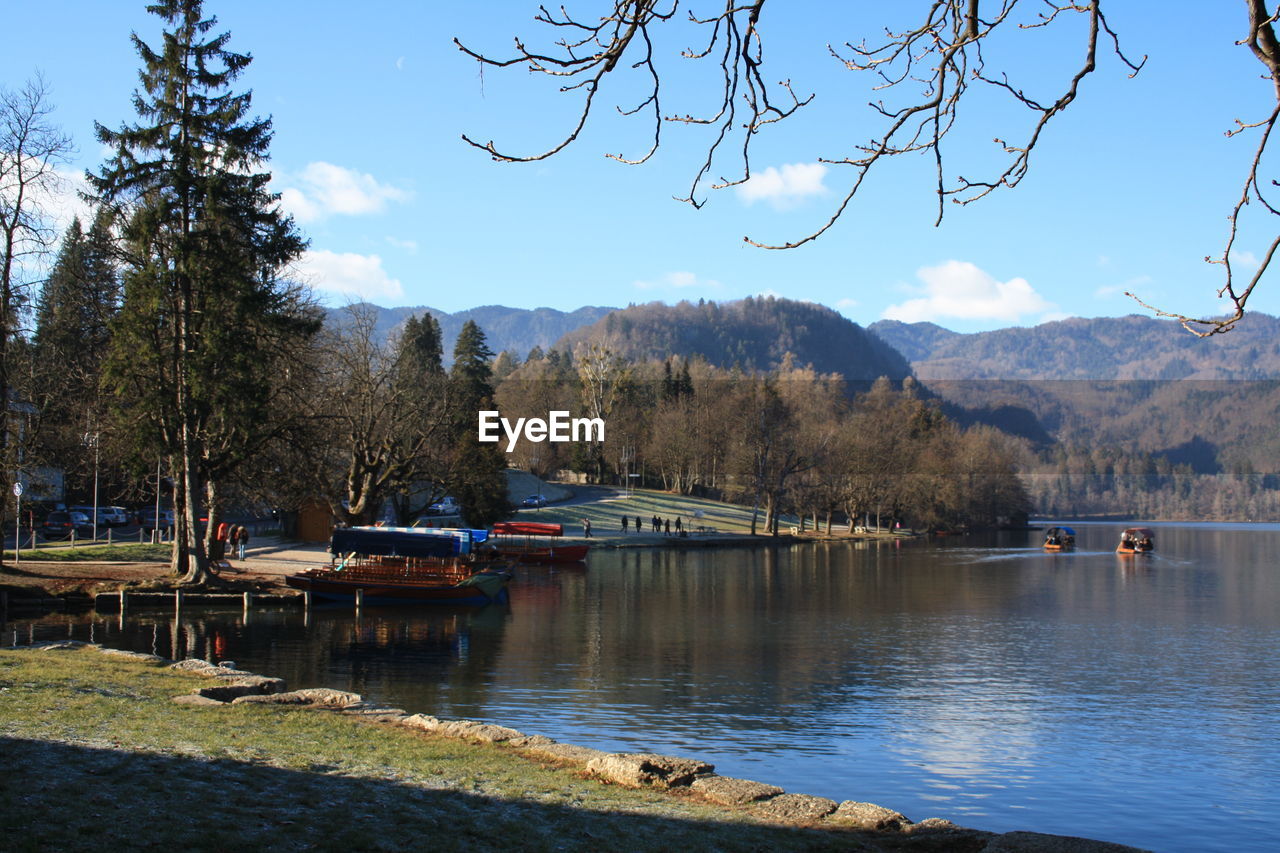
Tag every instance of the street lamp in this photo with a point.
(91, 439)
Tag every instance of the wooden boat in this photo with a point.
(1059, 539)
(1136, 540)
(406, 565)
(531, 549)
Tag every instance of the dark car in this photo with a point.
(534, 501)
(60, 524)
(147, 518)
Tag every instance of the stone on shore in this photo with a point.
(318, 697)
(246, 685)
(795, 808)
(869, 816)
(728, 791)
(567, 752)
(642, 769)
(138, 656)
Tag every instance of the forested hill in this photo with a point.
(1130, 347)
(753, 333)
(515, 329)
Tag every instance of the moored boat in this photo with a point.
(531, 548)
(1136, 540)
(406, 565)
(1059, 539)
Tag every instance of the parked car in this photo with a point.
(61, 523)
(446, 506)
(534, 501)
(108, 516)
(147, 518)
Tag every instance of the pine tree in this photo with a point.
(206, 241)
(480, 484)
(78, 302)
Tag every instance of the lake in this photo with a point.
(1125, 698)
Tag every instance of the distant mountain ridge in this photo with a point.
(756, 333)
(1132, 347)
(516, 329)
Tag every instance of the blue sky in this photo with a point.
(1129, 190)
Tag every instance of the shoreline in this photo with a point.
(634, 784)
(78, 584)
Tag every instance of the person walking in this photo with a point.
(242, 542)
(586, 528)
(678, 525)
(668, 530)
(626, 519)
(639, 525)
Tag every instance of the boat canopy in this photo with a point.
(527, 528)
(1060, 531)
(405, 541)
(1140, 532)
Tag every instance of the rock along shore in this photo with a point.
(882, 828)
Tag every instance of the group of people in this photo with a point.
(656, 524)
(229, 536)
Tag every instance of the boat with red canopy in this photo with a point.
(522, 541)
(1136, 540)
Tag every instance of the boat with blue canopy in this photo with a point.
(406, 565)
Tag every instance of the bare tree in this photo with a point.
(927, 72)
(31, 149)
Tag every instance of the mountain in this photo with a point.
(515, 329)
(753, 333)
(1132, 347)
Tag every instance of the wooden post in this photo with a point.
(124, 600)
(248, 600)
(306, 599)
(177, 601)
(359, 598)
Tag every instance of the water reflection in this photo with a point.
(982, 680)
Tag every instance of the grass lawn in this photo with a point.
(606, 516)
(96, 756)
(129, 552)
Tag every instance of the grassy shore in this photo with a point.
(97, 756)
(131, 552)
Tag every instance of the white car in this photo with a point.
(446, 506)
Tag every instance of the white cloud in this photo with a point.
(786, 187)
(323, 190)
(960, 289)
(846, 304)
(1107, 291)
(410, 246)
(1244, 259)
(679, 280)
(349, 274)
(400, 64)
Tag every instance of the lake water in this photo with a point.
(1132, 699)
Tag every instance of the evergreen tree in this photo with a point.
(205, 310)
(480, 485)
(74, 311)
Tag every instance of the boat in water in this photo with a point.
(1136, 540)
(406, 565)
(1059, 539)
(532, 542)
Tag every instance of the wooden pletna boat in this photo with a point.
(529, 542)
(406, 565)
(1059, 539)
(1136, 540)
